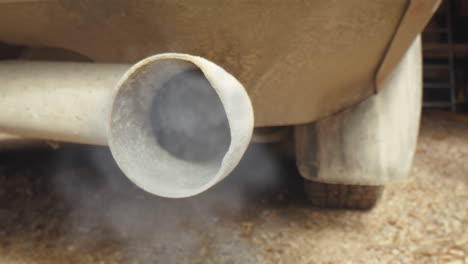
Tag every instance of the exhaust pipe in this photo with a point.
(176, 124)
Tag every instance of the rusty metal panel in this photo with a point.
(299, 60)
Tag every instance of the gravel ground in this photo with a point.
(73, 205)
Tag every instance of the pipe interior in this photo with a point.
(189, 120)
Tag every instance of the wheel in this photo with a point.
(326, 195)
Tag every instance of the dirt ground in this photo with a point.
(73, 205)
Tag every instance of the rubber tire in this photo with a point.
(357, 197)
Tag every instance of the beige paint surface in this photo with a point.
(299, 60)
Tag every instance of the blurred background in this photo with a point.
(445, 51)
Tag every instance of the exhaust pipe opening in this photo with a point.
(179, 124)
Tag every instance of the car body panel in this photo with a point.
(299, 60)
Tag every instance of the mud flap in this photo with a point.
(372, 143)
